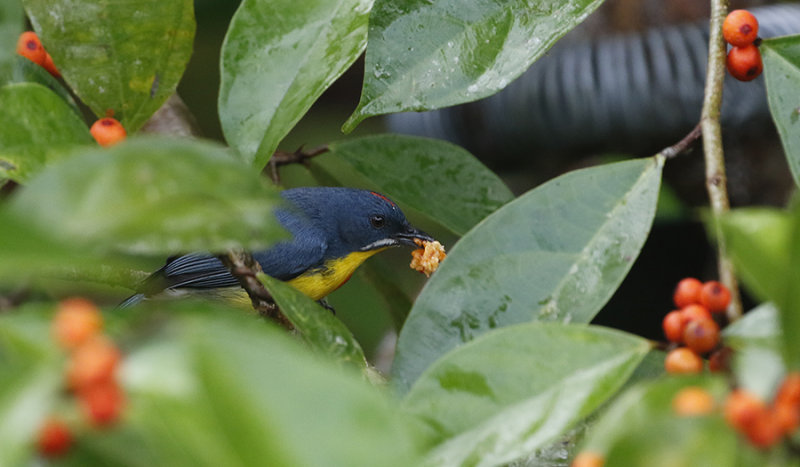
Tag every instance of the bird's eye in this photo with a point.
(377, 221)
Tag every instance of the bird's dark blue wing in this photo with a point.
(195, 270)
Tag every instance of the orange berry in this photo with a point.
(76, 321)
(701, 335)
(715, 296)
(744, 63)
(789, 390)
(588, 459)
(683, 361)
(687, 292)
(92, 363)
(787, 417)
(674, 323)
(695, 312)
(108, 131)
(50, 66)
(692, 401)
(29, 46)
(54, 438)
(742, 408)
(102, 403)
(764, 430)
(740, 28)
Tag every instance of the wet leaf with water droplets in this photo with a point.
(524, 386)
(557, 253)
(427, 54)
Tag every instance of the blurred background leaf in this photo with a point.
(277, 59)
(556, 253)
(781, 75)
(36, 128)
(123, 57)
(425, 55)
(153, 196)
(521, 386)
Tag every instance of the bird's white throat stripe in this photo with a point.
(382, 243)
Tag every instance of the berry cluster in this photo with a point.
(692, 323)
(740, 30)
(764, 424)
(30, 47)
(90, 373)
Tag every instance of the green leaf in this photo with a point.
(126, 57)
(756, 341)
(781, 75)
(436, 178)
(11, 20)
(757, 240)
(36, 128)
(217, 387)
(25, 71)
(426, 54)
(318, 327)
(513, 390)
(789, 301)
(557, 253)
(153, 195)
(277, 59)
(31, 371)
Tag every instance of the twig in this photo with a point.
(244, 268)
(298, 157)
(683, 145)
(716, 180)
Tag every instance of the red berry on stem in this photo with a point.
(740, 28)
(28, 46)
(687, 292)
(92, 363)
(588, 459)
(744, 63)
(701, 335)
(108, 131)
(76, 321)
(683, 361)
(691, 401)
(742, 408)
(103, 403)
(715, 296)
(695, 312)
(674, 324)
(54, 438)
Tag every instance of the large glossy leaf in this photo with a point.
(11, 20)
(513, 390)
(426, 54)
(36, 127)
(319, 328)
(153, 195)
(220, 388)
(277, 59)
(556, 253)
(30, 369)
(789, 301)
(436, 178)
(119, 56)
(781, 75)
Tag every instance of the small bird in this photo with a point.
(333, 231)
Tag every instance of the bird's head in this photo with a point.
(359, 220)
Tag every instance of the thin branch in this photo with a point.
(244, 268)
(683, 145)
(298, 157)
(716, 180)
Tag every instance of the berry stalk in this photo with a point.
(716, 180)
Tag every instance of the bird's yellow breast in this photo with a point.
(318, 283)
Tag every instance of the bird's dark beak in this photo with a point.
(410, 234)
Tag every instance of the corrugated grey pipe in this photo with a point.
(614, 92)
